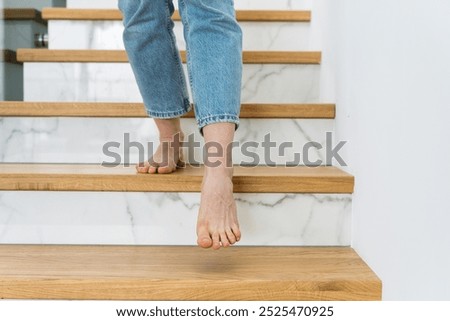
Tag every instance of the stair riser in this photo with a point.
(239, 4)
(169, 218)
(20, 34)
(108, 35)
(81, 140)
(109, 82)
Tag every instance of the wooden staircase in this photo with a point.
(114, 272)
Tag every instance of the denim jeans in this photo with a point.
(214, 58)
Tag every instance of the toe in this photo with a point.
(204, 239)
(216, 241)
(224, 240)
(181, 164)
(142, 167)
(236, 232)
(165, 170)
(152, 170)
(204, 242)
(152, 166)
(231, 236)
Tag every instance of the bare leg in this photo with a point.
(168, 154)
(217, 223)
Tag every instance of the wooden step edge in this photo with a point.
(137, 110)
(95, 177)
(9, 56)
(17, 14)
(115, 272)
(120, 56)
(114, 14)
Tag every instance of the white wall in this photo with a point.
(392, 87)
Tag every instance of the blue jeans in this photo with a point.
(214, 58)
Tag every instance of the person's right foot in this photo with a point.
(217, 223)
(167, 157)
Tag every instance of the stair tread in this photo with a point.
(16, 14)
(184, 273)
(95, 177)
(114, 14)
(95, 109)
(248, 57)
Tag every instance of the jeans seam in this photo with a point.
(166, 114)
(214, 118)
(188, 53)
(175, 53)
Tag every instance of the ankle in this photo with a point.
(177, 136)
(219, 171)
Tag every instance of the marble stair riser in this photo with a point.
(169, 218)
(82, 140)
(115, 82)
(108, 35)
(239, 4)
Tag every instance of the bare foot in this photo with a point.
(217, 223)
(167, 158)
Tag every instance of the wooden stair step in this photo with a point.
(95, 109)
(249, 57)
(114, 14)
(109, 272)
(15, 14)
(95, 177)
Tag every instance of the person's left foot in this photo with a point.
(167, 158)
(217, 223)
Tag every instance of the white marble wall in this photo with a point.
(115, 82)
(239, 4)
(108, 35)
(81, 140)
(168, 218)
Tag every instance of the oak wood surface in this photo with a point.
(95, 109)
(120, 56)
(113, 14)
(95, 177)
(22, 14)
(184, 273)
